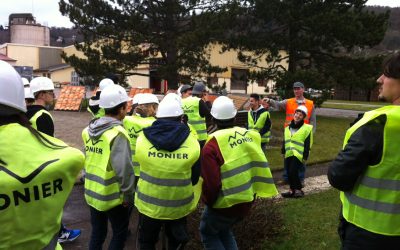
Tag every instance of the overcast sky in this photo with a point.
(47, 11)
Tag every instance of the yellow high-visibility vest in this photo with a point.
(165, 190)
(374, 202)
(191, 108)
(259, 125)
(34, 118)
(245, 172)
(35, 182)
(294, 144)
(102, 189)
(134, 125)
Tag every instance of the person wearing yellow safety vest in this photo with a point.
(93, 106)
(37, 173)
(168, 155)
(366, 171)
(109, 179)
(144, 116)
(258, 119)
(298, 139)
(197, 111)
(43, 90)
(235, 172)
(289, 106)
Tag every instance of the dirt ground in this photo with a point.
(69, 126)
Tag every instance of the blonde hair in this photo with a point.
(147, 110)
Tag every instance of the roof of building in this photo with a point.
(53, 68)
(6, 58)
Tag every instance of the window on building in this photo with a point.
(212, 80)
(75, 79)
(239, 79)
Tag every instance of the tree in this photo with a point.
(314, 34)
(119, 35)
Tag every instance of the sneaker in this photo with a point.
(298, 194)
(68, 235)
(288, 194)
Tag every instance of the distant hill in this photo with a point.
(391, 40)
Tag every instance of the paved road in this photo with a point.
(337, 112)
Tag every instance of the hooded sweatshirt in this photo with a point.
(170, 135)
(120, 156)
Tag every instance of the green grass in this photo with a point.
(328, 139)
(352, 105)
(309, 223)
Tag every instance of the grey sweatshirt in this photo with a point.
(120, 156)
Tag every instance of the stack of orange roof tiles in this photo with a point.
(239, 101)
(135, 91)
(70, 98)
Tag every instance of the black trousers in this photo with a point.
(293, 166)
(356, 238)
(119, 219)
(149, 229)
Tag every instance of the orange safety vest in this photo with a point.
(291, 106)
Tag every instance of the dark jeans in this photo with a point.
(149, 229)
(293, 166)
(356, 238)
(215, 230)
(119, 219)
(302, 172)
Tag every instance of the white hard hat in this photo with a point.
(303, 109)
(146, 98)
(223, 108)
(178, 91)
(28, 93)
(135, 99)
(169, 108)
(173, 96)
(104, 83)
(112, 96)
(41, 83)
(11, 87)
(25, 81)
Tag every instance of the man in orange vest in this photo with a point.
(290, 105)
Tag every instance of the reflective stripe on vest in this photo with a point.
(291, 106)
(259, 125)
(134, 125)
(102, 190)
(294, 144)
(191, 108)
(35, 183)
(100, 113)
(374, 202)
(34, 118)
(245, 172)
(165, 190)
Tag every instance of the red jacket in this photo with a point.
(211, 161)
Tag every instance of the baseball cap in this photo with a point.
(185, 88)
(298, 85)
